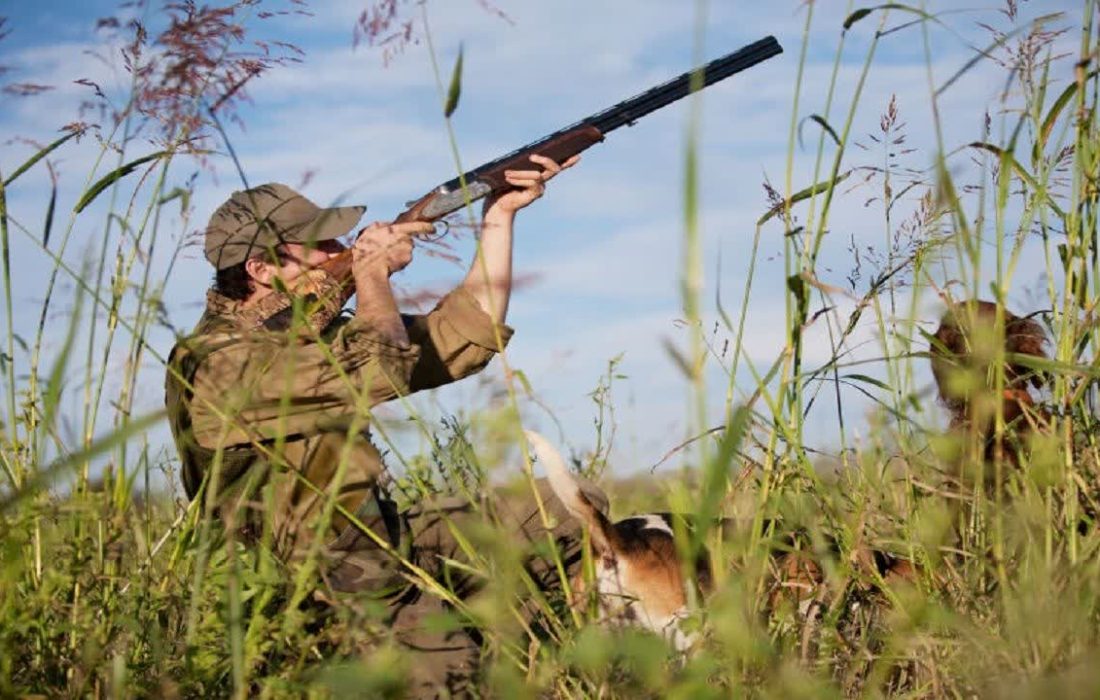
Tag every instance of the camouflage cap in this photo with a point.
(253, 220)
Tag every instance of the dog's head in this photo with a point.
(963, 348)
(639, 573)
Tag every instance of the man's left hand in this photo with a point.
(529, 184)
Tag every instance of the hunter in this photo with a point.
(272, 427)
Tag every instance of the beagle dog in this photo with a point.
(639, 576)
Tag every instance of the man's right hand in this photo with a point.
(386, 248)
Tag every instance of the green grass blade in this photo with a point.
(52, 397)
(810, 191)
(63, 464)
(112, 177)
(42, 153)
(863, 12)
(455, 89)
(1058, 106)
(47, 227)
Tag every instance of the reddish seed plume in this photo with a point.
(195, 67)
(392, 24)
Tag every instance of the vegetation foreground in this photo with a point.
(110, 588)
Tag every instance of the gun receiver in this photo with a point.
(565, 143)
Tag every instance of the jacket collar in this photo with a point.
(226, 309)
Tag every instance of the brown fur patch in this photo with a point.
(965, 342)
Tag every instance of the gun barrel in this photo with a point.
(628, 111)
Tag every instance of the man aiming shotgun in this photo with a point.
(270, 397)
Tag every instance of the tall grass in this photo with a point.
(111, 586)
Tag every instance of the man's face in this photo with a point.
(306, 256)
(296, 259)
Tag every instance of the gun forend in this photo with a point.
(450, 197)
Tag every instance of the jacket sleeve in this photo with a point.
(456, 339)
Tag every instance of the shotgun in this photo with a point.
(325, 290)
(565, 143)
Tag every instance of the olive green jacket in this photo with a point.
(251, 407)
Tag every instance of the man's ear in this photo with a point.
(261, 271)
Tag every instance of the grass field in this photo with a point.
(111, 589)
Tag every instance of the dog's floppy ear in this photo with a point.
(605, 539)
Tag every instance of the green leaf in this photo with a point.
(716, 474)
(868, 380)
(455, 90)
(678, 357)
(864, 11)
(823, 186)
(177, 193)
(820, 121)
(113, 177)
(48, 226)
(797, 287)
(523, 381)
(856, 16)
(52, 398)
(772, 371)
(1048, 366)
(1059, 105)
(39, 156)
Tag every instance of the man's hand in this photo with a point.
(381, 250)
(529, 185)
(386, 248)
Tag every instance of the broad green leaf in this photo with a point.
(113, 177)
(455, 90)
(856, 16)
(797, 287)
(1049, 366)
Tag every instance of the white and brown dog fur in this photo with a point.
(639, 578)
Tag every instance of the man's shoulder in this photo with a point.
(212, 334)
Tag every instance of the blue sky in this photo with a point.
(604, 245)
